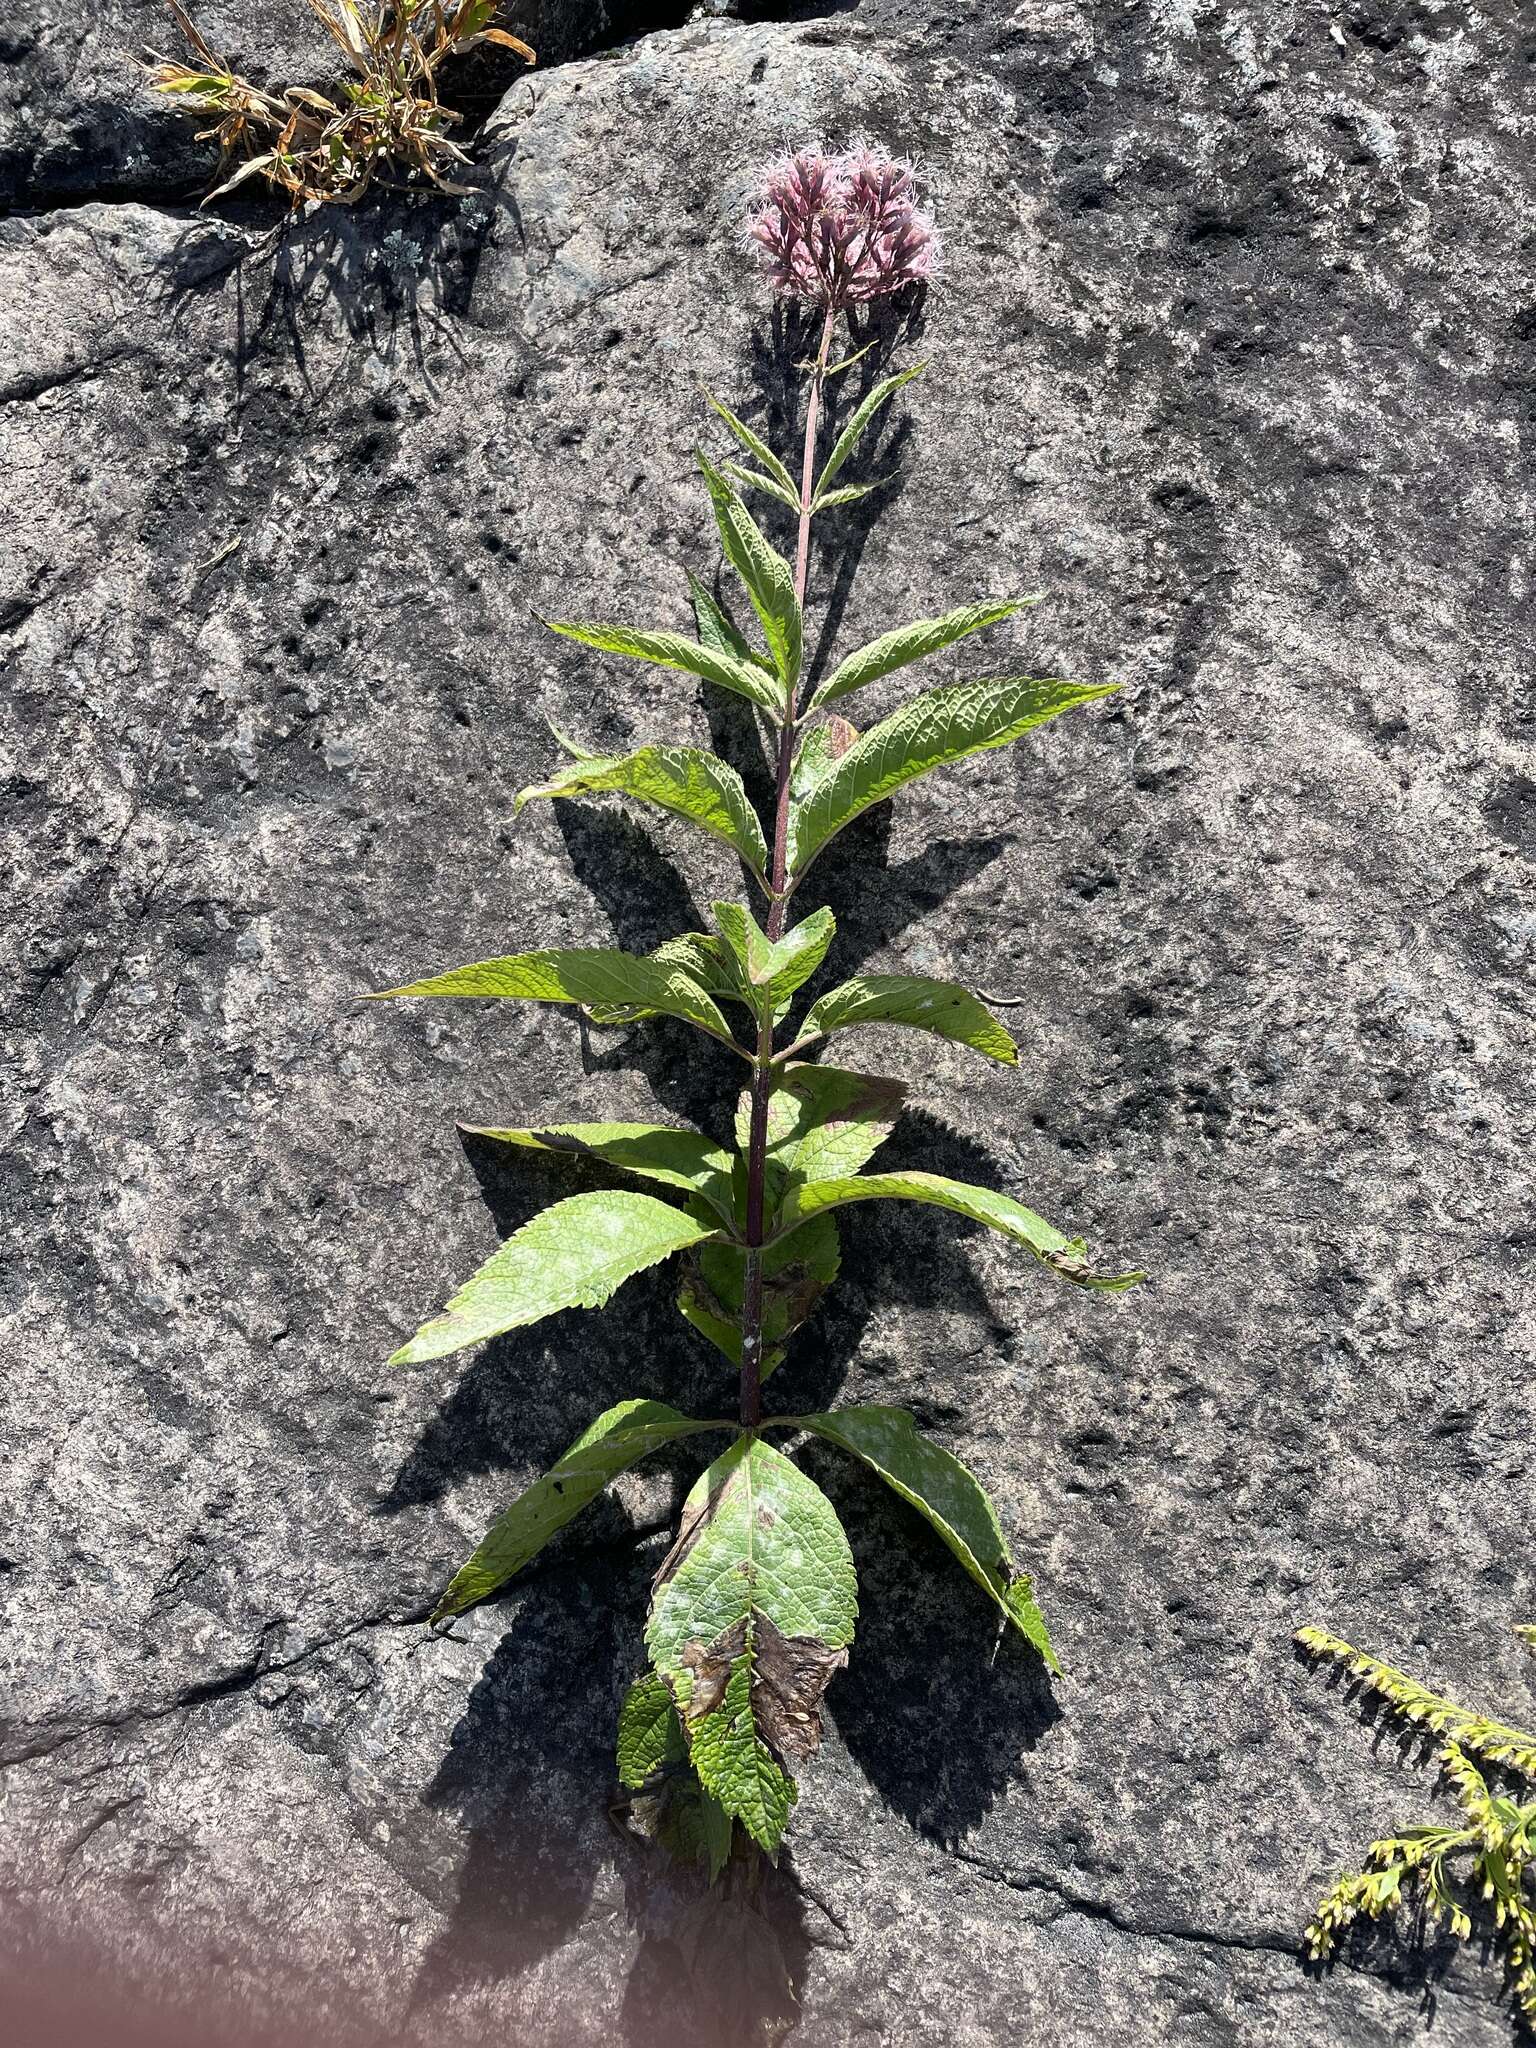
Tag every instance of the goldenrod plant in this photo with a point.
(1447, 1869)
(384, 125)
(753, 1609)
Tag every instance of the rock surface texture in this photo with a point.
(1237, 357)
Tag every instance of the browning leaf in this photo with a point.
(790, 1676)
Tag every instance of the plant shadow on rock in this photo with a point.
(520, 1779)
(401, 275)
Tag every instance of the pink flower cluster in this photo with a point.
(837, 229)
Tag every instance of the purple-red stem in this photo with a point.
(762, 1073)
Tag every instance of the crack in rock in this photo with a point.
(229, 1683)
(1101, 1909)
(1197, 1937)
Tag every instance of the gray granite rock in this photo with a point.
(1235, 357)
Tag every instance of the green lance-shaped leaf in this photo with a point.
(943, 1007)
(684, 780)
(824, 1123)
(675, 650)
(851, 435)
(947, 1495)
(754, 480)
(1065, 1256)
(597, 975)
(571, 1256)
(617, 1440)
(768, 578)
(912, 643)
(933, 730)
(756, 447)
(851, 493)
(752, 1612)
(797, 1271)
(772, 969)
(720, 633)
(818, 754)
(660, 1152)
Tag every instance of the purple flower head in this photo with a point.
(837, 229)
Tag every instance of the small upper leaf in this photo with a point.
(684, 780)
(933, 730)
(768, 578)
(851, 435)
(1065, 1256)
(754, 480)
(589, 974)
(948, 1495)
(912, 643)
(943, 1007)
(823, 746)
(610, 1446)
(571, 1256)
(755, 446)
(773, 969)
(675, 650)
(824, 1123)
(661, 1152)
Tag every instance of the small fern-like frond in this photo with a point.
(1490, 1855)
(1496, 1742)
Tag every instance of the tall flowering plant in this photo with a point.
(753, 1609)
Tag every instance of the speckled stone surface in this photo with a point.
(1235, 357)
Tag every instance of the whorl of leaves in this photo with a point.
(753, 1611)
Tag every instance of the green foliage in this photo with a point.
(759, 450)
(719, 633)
(570, 1256)
(613, 1443)
(947, 1495)
(797, 1270)
(673, 650)
(753, 1610)
(819, 752)
(385, 122)
(597, 975)
(1494, 1741)
(823, 1123)
(689, 783)
(676, 1157)
(1065, 1256)
(650, 1734)
(933, 731)
(850, 437)
(942, 1007)
(912, 643)
(1489, 1856)
(772, 969)
(767, 577)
